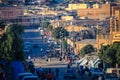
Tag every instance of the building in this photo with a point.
(76, 6)
(67, 18)
(10, 12)
(102, 39)
(97, 12)
(13, 1)
(75, 28)
(114, 35)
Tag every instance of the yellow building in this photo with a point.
(67, 18)
(80, 44)
(76, 6)
(96, 5)
(76, 28)
(114, 35)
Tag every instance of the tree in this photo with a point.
(11, 43)
(2, 24)
(110, 54)
(44, 24)
(87, 49)
(50, 27)
(59, 33)
(64, 44)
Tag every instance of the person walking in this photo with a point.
(57, 73)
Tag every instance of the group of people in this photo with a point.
(47, 74)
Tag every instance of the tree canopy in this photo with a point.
(87, 49)
(11, 43)
(110, 54)
(44, 24)
(2, 24)
(59, 33)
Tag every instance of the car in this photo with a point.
(27, 45)
(96, 72)
(21, 75)
(111, 76)
(35, 46)
(30, 78)
(26, 50)
(69, 74)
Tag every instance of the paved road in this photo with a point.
(33, 36)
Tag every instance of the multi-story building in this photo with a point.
(10, 12)
(97, 12)
(13, 1)
(114, 35)
(67, 18)
(76, 6)
(76, 28)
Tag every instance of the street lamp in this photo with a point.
(61, 37)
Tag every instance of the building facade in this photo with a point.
(96, 12)
(10, 12)
(114, 35)
(76, 6)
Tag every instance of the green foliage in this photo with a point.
(87, 49)
(110, 54)
(50, 27)
(44, 24)
(64, 44)
(11, 43)
(2, 24)
(59, 33)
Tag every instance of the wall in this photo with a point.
(95, 13)
(10, 12)
(76, 6)
(67, 18)
(76, 28)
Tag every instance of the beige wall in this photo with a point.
(76, 6)
(76, 28)
(67, 18)
(95, 13)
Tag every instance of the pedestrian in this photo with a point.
(83, 73)
(101, 77)
(57, 73)
(68, 66)
(42, 75)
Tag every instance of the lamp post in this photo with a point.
(61, 36)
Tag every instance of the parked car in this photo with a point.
(111, 76)
(35, 46)
(30, 78)
(26, 50)
(114, 70)
(96, 72)
(69, 74)
(28, 45)
(21, 75)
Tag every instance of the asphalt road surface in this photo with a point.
(32, 35)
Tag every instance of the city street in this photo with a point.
(32, 35)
